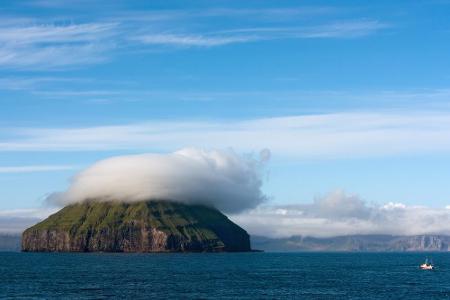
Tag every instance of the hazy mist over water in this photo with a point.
(225, 276)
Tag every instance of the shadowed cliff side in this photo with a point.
(151, 226)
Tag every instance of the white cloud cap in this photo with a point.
(218, 178)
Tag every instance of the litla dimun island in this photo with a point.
(146, 226)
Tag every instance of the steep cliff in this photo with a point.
(151, 226)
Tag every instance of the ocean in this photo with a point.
(223, 276)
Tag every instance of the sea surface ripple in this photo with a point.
(224, 276)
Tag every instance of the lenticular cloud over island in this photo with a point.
(218, 178)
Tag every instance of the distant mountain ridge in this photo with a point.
(354, 243)
(10, 242)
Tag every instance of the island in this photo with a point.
(147, 226)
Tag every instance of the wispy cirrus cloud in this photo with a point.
(51, 43)
(35, 168)
(347, 29)
(35, 83)
(75, 88)
(323, 136)
(51, 57)
(188, 40)
(54, 33)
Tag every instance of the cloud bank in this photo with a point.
(218, 178)
(339, 213)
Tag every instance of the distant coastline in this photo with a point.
(10, 242)
(354, 243)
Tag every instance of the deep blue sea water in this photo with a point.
(225, 275)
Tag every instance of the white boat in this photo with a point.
(426, 265)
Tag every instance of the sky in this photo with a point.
(351, 98)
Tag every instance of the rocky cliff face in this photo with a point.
(152, 226)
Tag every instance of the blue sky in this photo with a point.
(346, 95)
